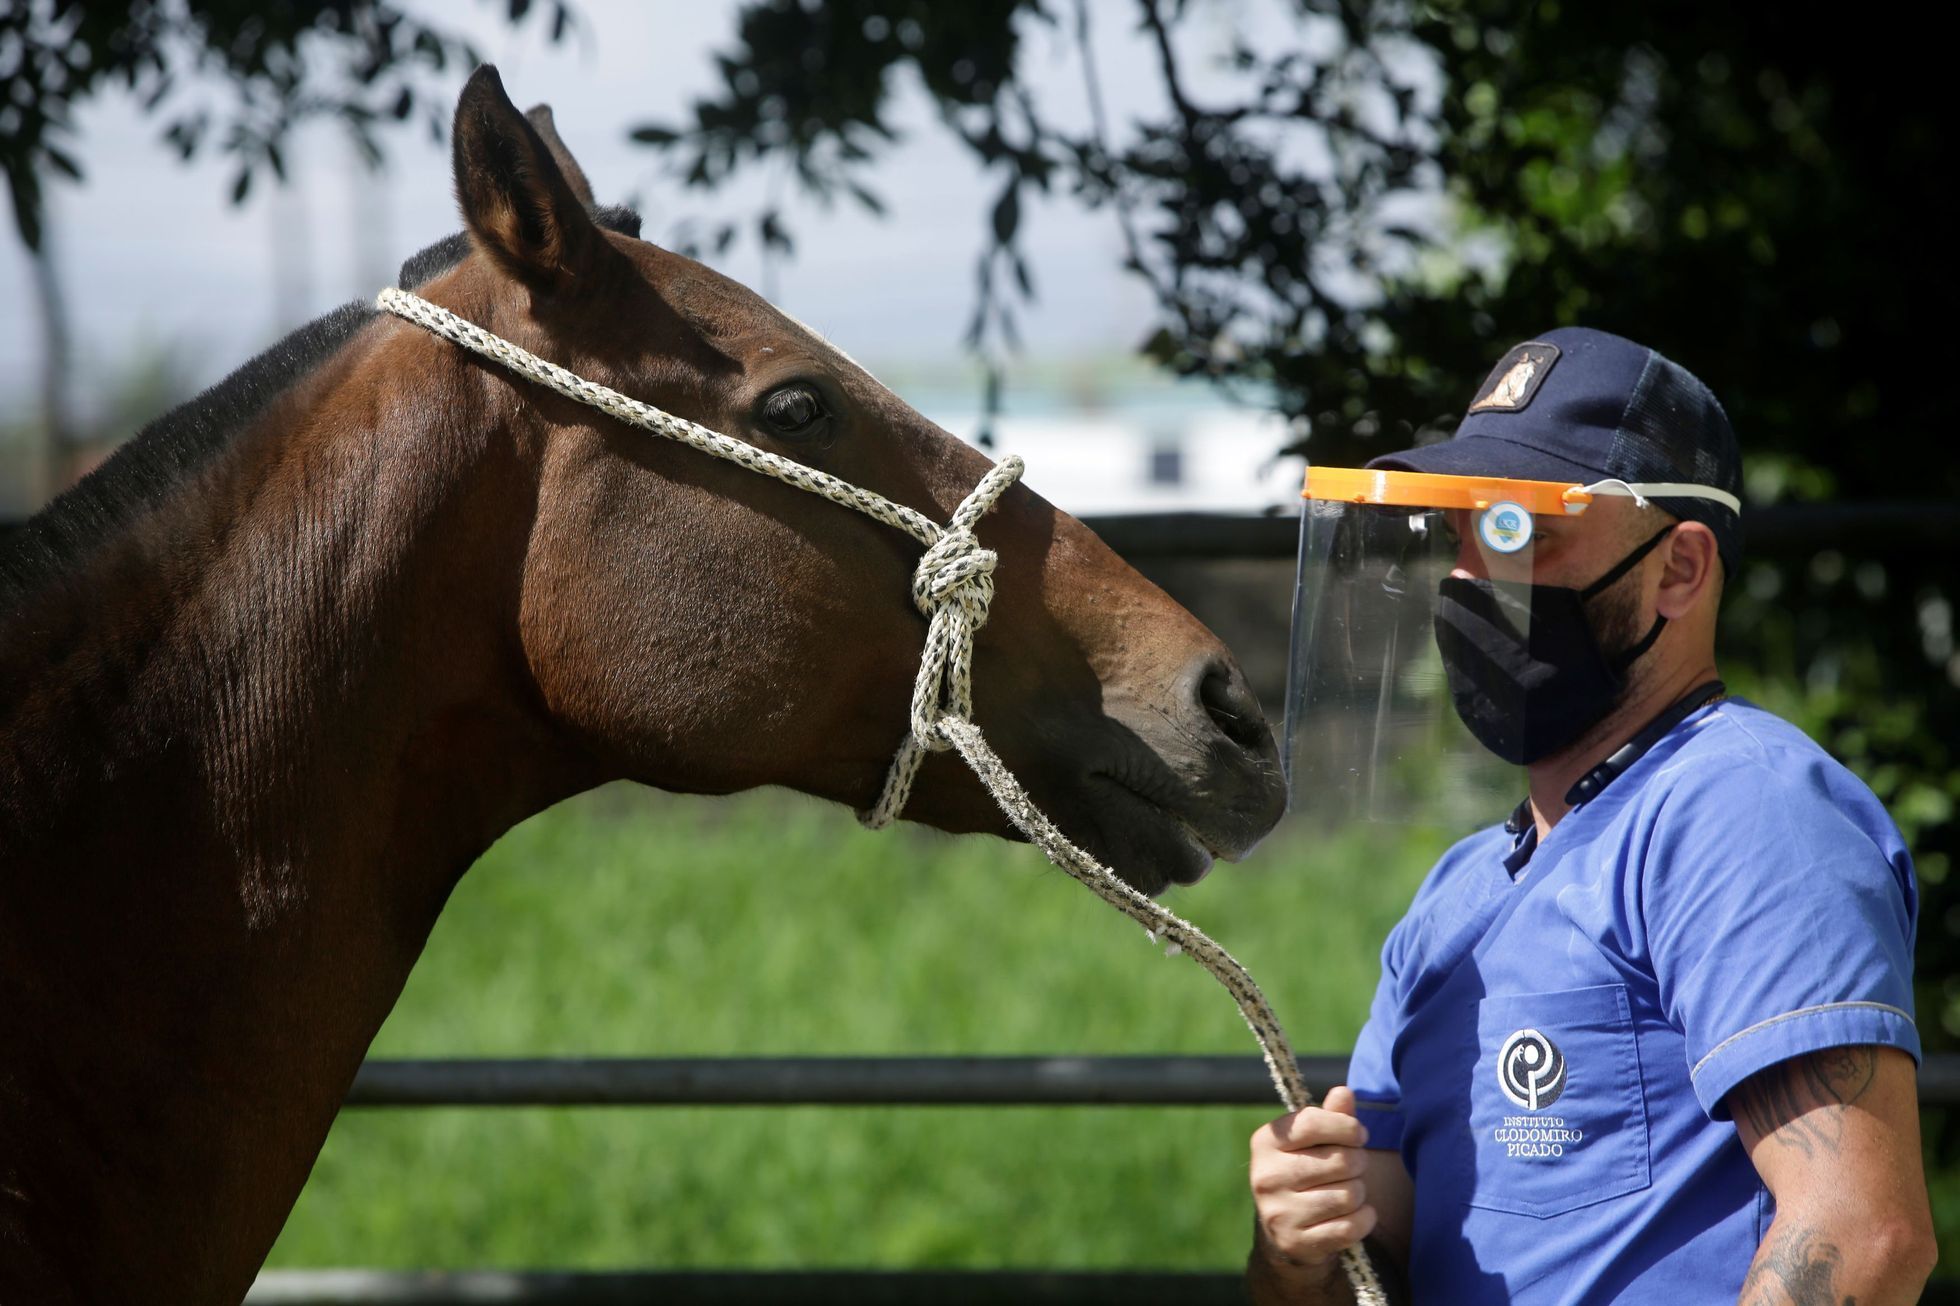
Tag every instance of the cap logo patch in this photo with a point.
(1516, 378)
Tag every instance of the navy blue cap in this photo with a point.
(1581, 405)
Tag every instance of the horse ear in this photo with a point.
(539, 116)
(516, 202)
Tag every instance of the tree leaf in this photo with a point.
(774, 235)
(61, 163)
(155, 95)
(866, 197)
(25, 188)
(1007, 213)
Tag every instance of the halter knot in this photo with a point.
(955, 570)
(953, 587)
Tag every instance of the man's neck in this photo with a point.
(1553, 777)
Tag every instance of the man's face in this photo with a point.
(1573, 551)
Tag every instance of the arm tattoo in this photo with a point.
(1784, 1099)
(1794, 1268)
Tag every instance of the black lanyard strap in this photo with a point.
(1592, 782)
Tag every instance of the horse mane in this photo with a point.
(173, 448)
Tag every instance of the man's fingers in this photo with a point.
(1315, 1127)
(1307, 1243)
(1332, 1237)
(1276, 1171)
(1339, 1099)
(1328, 1201)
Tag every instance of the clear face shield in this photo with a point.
(1395, 569)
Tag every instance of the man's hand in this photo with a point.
(1311, 1184)
(1835, 1136)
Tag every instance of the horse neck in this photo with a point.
(322, 616)
(259, 739)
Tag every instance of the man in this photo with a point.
(1651, 1039)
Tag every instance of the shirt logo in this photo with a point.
(1531, 1070)
(1516, 378)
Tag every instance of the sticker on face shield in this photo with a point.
(1505, 528)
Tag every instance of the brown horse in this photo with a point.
(273, 677)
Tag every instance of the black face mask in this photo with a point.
(1525, 697)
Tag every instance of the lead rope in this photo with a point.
(952, 587)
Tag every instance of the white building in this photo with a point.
(1155, 446)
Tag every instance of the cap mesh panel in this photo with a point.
(1674, 429)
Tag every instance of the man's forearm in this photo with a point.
(1807, 1261)
(1271, 1280)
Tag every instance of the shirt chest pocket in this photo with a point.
(1558, 1113)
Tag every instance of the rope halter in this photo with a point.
(952, 587)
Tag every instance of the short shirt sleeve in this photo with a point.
(1780, 908)
(1371, 1070)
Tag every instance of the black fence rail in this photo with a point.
(880, 1081)
(831, 1081)
(810, 1288)
(730, 1287)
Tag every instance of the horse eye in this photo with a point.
(794, 411)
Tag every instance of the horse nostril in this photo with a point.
(1232, 708)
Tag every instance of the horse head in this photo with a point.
(699, 628)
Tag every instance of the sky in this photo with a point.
(155, 257)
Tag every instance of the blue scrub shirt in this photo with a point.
(1557, 1023)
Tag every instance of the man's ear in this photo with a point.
(517, 204)
(1691, 568)
(539, 116)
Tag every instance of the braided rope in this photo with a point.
(952, 587)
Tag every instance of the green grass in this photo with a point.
(628, 923)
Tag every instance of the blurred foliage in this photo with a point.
(1240, 237)
(1714, 183)
(1379, 207)
(361, 62)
